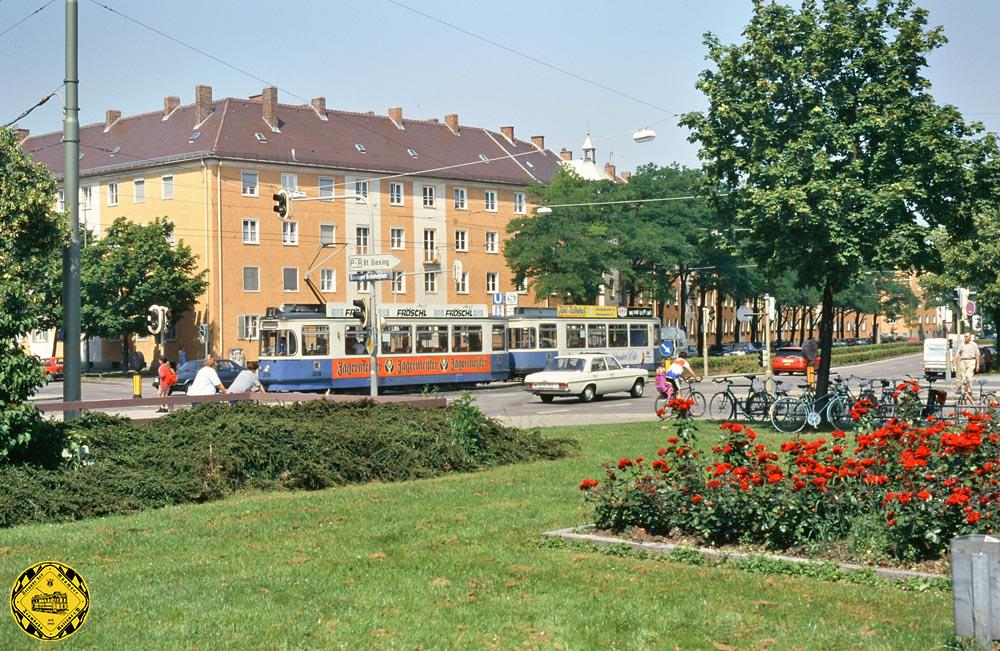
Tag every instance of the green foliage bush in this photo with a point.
(212, 450)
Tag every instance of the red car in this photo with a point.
(789, 359)
(53, 366)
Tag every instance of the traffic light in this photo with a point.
(202, 332)
(282, 204)
(363, 306)
(957, 297)
(977, 323)
(154, 320)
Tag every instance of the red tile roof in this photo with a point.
(303, 138)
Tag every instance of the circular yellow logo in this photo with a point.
(50, 600)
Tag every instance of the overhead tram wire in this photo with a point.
(36, 11)
(36, 105)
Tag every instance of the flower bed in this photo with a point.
(901, 491)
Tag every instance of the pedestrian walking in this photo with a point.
(206, 382)
(167, 379)
(966, 364)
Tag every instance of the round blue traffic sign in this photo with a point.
(667, 348)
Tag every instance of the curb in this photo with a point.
(572, 533)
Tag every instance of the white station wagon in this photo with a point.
(587, 376)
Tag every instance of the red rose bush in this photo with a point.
(910, 486)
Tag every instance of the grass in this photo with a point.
(451, 562)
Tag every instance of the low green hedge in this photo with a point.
(210, 451)
(843, 356)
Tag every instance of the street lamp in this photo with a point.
(644, 135)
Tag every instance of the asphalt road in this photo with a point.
(513, 405)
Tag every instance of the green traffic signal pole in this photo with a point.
(71, 190)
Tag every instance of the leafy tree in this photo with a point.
(823, 139)
(30, 230)
(130, 268)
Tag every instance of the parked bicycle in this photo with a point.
(790, 414)
(726, 405)
(661, 406)
(976, 403)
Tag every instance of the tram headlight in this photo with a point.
(267, 368)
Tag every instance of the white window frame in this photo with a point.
(251, 291)
(398, 282)
(490, 200)
(325, 186)
(60, 200)
(520, 204)
(430, 282)
(359, 248)
(361, 188)
(248, 325)
(493, 242)
(429, 193)
(136, 184)
(462, 240)
(167, 182)
(246, 190)
(328, 281)
(396, 194)
(289, 233)
(88, 197)
(289, 181)
(285, 289)
(492, 282)
(461, 199)
(462, 283)
(254, 225)
(333, 239)
(397, 238)
(113, 194)
(430, 244)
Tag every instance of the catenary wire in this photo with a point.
(36, 11)
(36, 105)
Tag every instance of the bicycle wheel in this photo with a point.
(698, 406)
(661, 403)
(788, 415)
(886, 409)
(722, 406)
(838, 414)
(758, 406)
(990, 401)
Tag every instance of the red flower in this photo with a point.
(839, 434)
(587, 484)
(624, 463)
(713, 483)
(973, 517)
(673, 439)
(924, 495)
(696, 499)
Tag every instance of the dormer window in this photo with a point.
(484, 158)
(194, 136)
(261, 138)
(82, 155)
(530, 165)
(412, 153)
(361, 149)
(115, 150)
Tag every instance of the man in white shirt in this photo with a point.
(245, 382)
(206, 382)
(966, 364)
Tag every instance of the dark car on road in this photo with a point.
(226, 369)
(987, 358)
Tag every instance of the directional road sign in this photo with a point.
(379, 262)
(667, 348)
(744, 314)
(368, 276)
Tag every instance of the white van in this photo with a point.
(937, 356)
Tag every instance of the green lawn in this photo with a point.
(451, 562)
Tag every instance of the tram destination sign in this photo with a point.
(368, 276)
(373, 262)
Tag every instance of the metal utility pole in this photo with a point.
(71, 190)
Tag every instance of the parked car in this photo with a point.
(53, 366)
(840, 343)
(226, 369)
(987, 358)
(586, 376)
(859, 341)
(790, 360)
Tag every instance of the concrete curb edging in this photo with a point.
(574, 534)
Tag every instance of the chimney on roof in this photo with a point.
(566, 154)
(538, 141)
(269, 98)
(110, 117)
(203, 105)
(319, 103)
(396, 115)
(609, 169)
(21, 134)
(508, 133)
(452, 121)
(626, 176)
(170, 102)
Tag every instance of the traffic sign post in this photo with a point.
(667, 349)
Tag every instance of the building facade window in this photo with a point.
(139, 190)
(60, 201)
(249, 183)
(247, 326)
(430, 282)
(112, 194)
(430, 244)
(397, 238)
(462, 283)
(290, 233)
(461, 240)
(290, 279)
(398, 282)
(251, 233)
(428, 191)
(520, 206)
(492, 239)
(460, 199)
(328, 280)
(167, 186)
(88, 197)
(361, 189)
(491, 200)
(361, 240)
(395, 194)
(289, 182)
(327, 234)
(491, 282)
(326, 187)
(251, 279)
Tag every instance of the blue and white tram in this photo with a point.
(536, 335)
(307, 349)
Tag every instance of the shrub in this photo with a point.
(212, 450)
(901, 489)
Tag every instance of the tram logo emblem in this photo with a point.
(389, 365)
(49, 601)
(444, 363)
(622, 312)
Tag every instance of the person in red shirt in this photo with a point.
(167, 379)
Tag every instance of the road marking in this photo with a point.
(554, 411)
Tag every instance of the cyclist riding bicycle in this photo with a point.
(673, 370)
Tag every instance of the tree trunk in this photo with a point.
(825, 344)
(683, 307)
(124, 363)
(718, 317)
(702, 321)
(843, 317)
(802, 324)
(875, 327)
(754, 323)
(857, 322)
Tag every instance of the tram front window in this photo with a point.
(466, 339)
(316, 340)
(278, 343)
(576, 335)
(354, 341)
(639, 335)
(499, 338)
(598, 334)
(547, 335)
(432, 339)
(397, 340)
(618, 335)
(521, 338)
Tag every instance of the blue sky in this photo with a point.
(371, 54)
